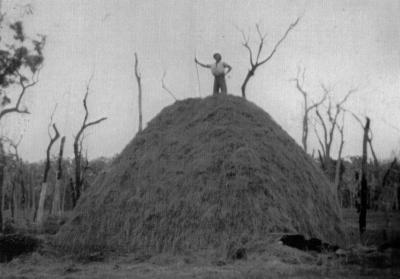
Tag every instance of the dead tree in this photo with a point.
(364, 186)
(329, 125)
(338, 171)
(16, 108)
(256, 61)
(17, 181)
(139, 82)
(165, 87)
(16, 62)
(2, 168)
(43, 191)
(79, 177)
(299, 80)
(56, 206)
(369, 139)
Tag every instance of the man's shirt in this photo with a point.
(218, 69)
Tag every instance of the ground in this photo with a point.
(269, 259)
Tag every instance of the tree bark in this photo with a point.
(364, 186)
(43, 191)
(250, 73)
(2, 167)
(77, 188)
(13, 201)
(56, 207)
(42, 199)
(139, 82)
(338, 172)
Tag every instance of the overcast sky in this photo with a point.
(346, 44)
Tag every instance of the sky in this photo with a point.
(344, 44)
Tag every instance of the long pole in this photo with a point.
(198, 76)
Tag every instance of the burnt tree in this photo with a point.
(43, 191)
(139, 82)
(56, 206)
(2, 168)
(256, 60)
(364, 186)
(77, 146)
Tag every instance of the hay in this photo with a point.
(204, 173)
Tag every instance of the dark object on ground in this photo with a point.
(13, 245)
(238, 254)
(313, 244)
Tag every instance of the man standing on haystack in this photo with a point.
(218, 71)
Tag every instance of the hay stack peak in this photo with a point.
(204, 172)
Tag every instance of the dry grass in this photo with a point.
(203, 264)
(266, 259)
(204, 173)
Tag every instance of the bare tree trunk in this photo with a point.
(56, 207)
(42, 199)
(256, 61)
(250, 73)
(12, 201)
(71, 184)
(77, 188)
(138, 79)
(43, 191)
(364, 186)
(304, 135)
(23, 196)
(2, 167)
(386, 201)
(32, 202)
(76, 191)
(338, 172)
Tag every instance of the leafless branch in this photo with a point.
(319, 140)
(53, 139)
(299, 80)
(165, 87)
(78, 141)
(349, 93)
(245, 43)
(254, 64)
(24, 87)
(325, 130)
(291, 26)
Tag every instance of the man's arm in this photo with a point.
(201, 64)
(228, 67)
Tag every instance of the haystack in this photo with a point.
(203, 173)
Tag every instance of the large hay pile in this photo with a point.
(204, 172)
